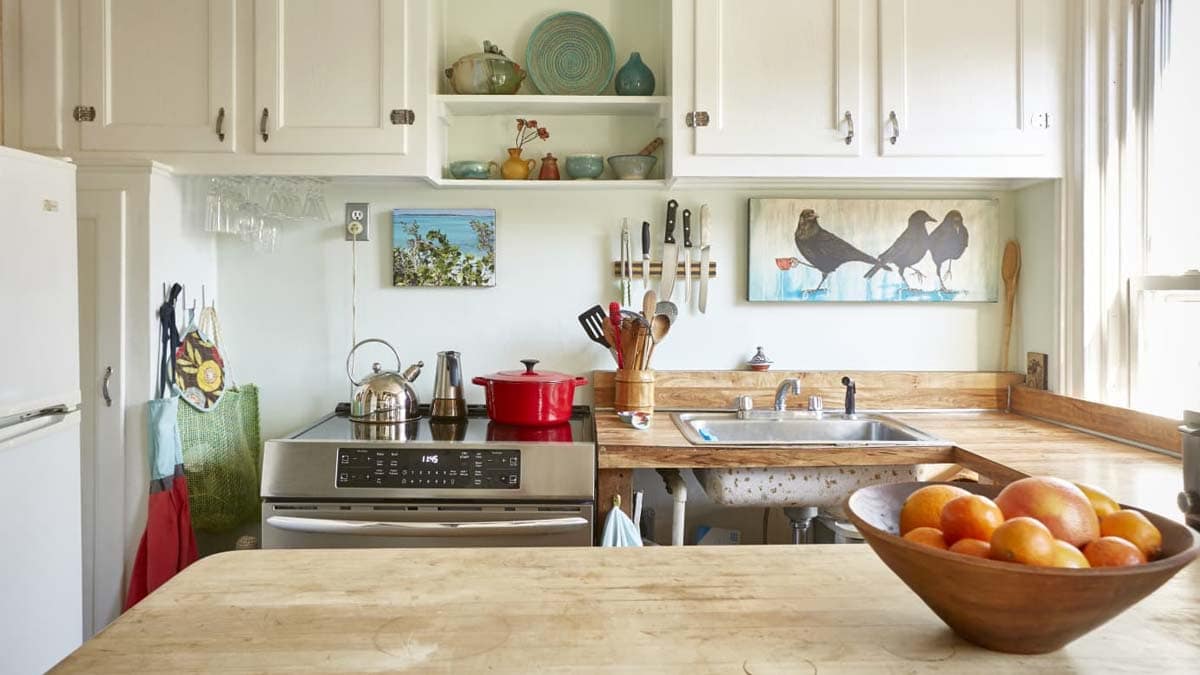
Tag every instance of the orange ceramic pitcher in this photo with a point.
(515, 168)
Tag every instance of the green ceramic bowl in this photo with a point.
(470, 168)
(632, 167)
(570, 53)
(585, 167)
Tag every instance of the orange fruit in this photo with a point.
(1134, 528)
(1066, 555)
(1112, 552)
(970, 517)
(923, 508)
(975, 547)
(1059, 505)
(1102, 503)
(1023, 540)
(929, 536)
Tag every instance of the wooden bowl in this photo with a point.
(1008, 607)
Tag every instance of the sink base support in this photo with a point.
(802, 518)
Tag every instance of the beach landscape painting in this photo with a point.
(874, 250)
(444, 247)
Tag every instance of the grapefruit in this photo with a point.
(1134, 528)
(970, 517)
(1066, 555)
(1056, 503)
(1102, 503)
(972, 547)
(1112, 552)
(927, 536)
(1023, 540)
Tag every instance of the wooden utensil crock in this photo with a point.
(634, 390)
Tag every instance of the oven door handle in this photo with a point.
(376, 528)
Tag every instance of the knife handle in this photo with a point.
(645, 239)
(671, 207)
(687, 228)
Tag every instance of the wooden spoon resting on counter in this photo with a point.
(1010, 270)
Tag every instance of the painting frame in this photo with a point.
(443, 248)
(923, 250)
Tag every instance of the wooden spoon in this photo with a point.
(1010, 270)
(659, 327)
(648, 303)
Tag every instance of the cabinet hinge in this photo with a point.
(84, 113)
(1041, 120)
(696, 119)
(403, 117)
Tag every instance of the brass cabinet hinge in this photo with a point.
(84, 113)
(696, 119)
(403, 117)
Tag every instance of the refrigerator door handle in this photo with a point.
(108, 371)
(26, 424)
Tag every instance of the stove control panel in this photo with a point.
(410, 468)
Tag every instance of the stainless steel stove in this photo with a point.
(341, 484)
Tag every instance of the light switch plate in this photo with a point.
(358, 215)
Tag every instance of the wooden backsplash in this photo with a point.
(877, 390)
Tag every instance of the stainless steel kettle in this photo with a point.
(384, 396)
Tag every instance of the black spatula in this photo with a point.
(593, 324)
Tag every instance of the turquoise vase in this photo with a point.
(634, 78)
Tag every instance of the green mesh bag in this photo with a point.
(222, 452)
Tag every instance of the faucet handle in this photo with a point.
(816, 403)
(744, 404)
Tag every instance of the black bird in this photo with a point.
(823, 249)
(947, 243)
(908, 249)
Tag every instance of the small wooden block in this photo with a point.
(1035, 370)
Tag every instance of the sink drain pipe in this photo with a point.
(677, 487)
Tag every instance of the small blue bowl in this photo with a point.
(585, 167)
(472, 169)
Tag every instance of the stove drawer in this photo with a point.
(423, 525)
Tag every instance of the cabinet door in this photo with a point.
(330, 73)
(778, 77)
(159, 73)
(963, 78)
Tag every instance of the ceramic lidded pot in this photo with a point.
(549, 168)
(486, 72)
(634, 78)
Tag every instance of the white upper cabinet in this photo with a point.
(963, 78)
(336, 77)
(777, 78)
(158, 74)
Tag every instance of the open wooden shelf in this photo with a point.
(534, 104)
(501, 184)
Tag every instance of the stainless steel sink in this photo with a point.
(825, 487)
(799, 428)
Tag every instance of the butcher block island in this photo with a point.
(768, 609)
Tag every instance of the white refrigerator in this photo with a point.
(41, 597)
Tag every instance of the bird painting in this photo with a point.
(908, 249)
(824, 250)
(873, 250)
(947, 243)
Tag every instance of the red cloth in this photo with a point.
(168, 545)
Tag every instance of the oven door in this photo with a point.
(423, 525)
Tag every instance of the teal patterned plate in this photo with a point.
(570, 53)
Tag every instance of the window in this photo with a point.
(1164, 305)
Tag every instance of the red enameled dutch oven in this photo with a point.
(528, 398)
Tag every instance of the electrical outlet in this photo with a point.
(358, 221)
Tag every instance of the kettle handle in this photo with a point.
(350, 357)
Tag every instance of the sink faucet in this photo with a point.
(850, 391)
(788, 385)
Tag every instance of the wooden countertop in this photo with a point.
(1001, 445)
(759, 609)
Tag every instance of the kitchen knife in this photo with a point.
(687, 256)
(705, 246)
(626, 265)
(670, 254)
(645, 254)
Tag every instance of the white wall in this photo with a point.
(286, 315)
(1036, 323)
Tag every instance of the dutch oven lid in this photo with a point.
(532, 376)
